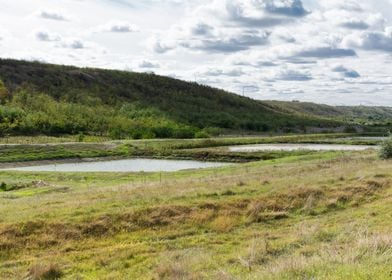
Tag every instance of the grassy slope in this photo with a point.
(360, 113)
(324, 216)
(183, 102)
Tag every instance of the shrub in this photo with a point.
(212, 131)
(201, 134)
(45, 272)
(81, 136)
(4, 93)
(350, 129)
(386, 149)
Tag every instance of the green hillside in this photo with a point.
(49, 99)
(364, 114)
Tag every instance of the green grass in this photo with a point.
(43, 139)
(22, 153)
(322, 215)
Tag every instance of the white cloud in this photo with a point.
(292, 75)
(148, 64)
(260, 13)
(348, 73)
(45, 36)
(325, 52)
(52, 15)
(371, 40)
(358, 18)
(347, 5)
(354, 23)
(229, 26)
(119, 27)
(234, 72)
(72, 44)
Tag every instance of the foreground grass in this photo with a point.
(321, 216)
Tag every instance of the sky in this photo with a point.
(326, 51)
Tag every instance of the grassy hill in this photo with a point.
(361, 114)
(49, 99)
(54, 99)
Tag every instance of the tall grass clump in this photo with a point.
(45, 272)
(386, 149)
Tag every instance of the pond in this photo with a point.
(126, 165)
(295, 147)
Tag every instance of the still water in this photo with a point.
(126, 165)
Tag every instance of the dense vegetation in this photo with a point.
(30, 113)
(51, 99)
(386, 149)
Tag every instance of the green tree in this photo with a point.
(4, 93)
(386, 149)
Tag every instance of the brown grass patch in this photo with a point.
(223, 223)
(180, 265)
(45, 272)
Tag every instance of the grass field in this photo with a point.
(325, 215)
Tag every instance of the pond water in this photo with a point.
(126, 165)
(295, 147)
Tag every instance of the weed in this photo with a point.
(45, 272)
(386, 149)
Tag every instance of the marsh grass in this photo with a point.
(45, 272)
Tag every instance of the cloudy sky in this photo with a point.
(326, 51)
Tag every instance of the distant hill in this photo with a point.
(54, 99)
(363, 114)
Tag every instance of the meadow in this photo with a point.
(271, 215)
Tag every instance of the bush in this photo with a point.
(202, 134)
(4, 93)
(212, 131)
(81, 136)
(350, 129)
(45, 272)
(386, 149)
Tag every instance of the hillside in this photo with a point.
(376, 114)
(114, 102)
(52, 99)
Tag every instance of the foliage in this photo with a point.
(386, 149)
(31, 113)
(4, 93)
